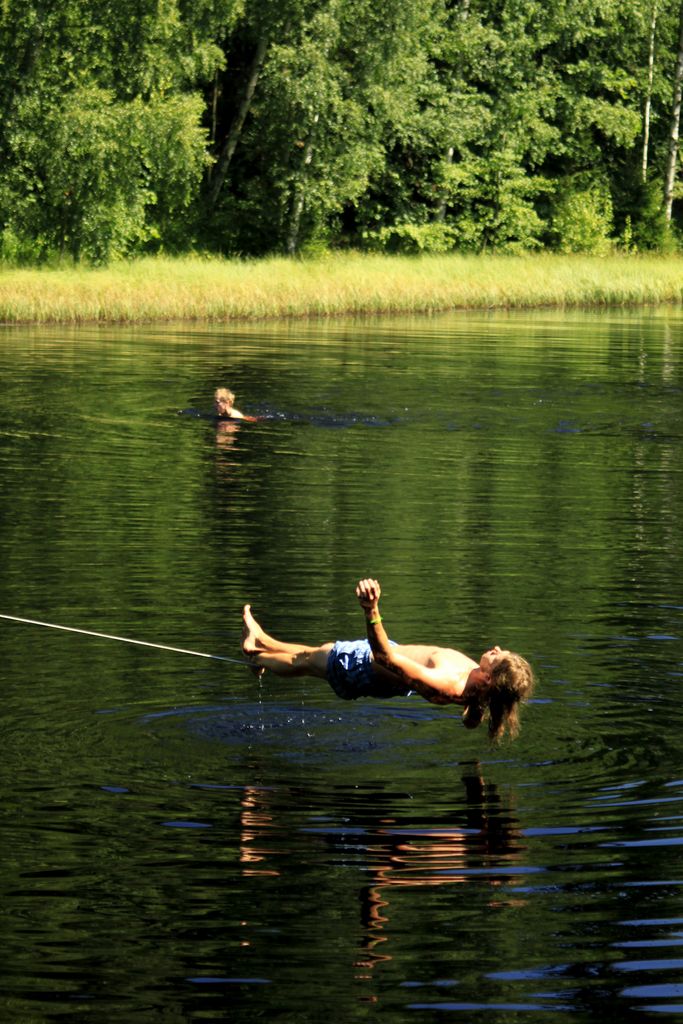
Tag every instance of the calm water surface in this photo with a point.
(183, 843)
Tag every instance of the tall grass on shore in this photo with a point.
(166, 289)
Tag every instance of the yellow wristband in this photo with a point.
(373, 622)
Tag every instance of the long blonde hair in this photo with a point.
(512, 682)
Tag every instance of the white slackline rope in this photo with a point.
(123, 639)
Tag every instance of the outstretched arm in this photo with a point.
(235, 414)
(430, 683)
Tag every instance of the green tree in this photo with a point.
(102, 177)
(281, 125)
(334, 76)
(467, 157)
(102, 146)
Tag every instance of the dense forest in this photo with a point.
(248, 127)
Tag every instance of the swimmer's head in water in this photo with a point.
(223, 401)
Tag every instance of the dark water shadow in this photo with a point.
(304, 733)
(316, 417)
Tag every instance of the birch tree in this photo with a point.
(647, 111)
(672, 156)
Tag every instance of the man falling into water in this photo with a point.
(494, 687)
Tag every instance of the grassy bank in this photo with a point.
(214, 290)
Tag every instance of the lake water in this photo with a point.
(181, 842)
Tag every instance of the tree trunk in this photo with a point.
(223, 164)
(214, 108)
(440, 214)
(300, 193)
(648, 97)
(675, 125)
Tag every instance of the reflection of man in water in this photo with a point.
(482, 845)
(256, 821)
(226, 432)
(411, 866)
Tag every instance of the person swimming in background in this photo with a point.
(494, 687)
(224, 408)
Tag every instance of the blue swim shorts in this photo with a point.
(350, 673)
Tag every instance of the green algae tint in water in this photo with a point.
(181, 842)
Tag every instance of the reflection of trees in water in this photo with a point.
(479, 838)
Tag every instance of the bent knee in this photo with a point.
(313, 661)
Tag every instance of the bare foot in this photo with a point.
(250, 640)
